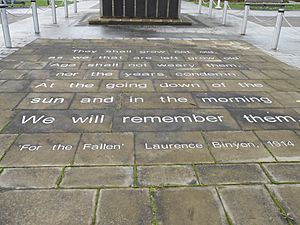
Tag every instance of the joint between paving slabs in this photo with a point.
(276, 160)
(9, 122)
(229, 220)
(266, 173)
(60, 177)
(5, 152)
(281, 209)
(95, 208)
(16, 106)
(208, 147)
(135, 181)
(153, 206)
(72, 100)
(76, 149)
(196, 174)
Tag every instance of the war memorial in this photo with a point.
(146, 131)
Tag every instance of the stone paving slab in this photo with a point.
(287, 196)
(10, 101)
(170, 120)
(42, 150)
(6, 115)
(6, 140)
(124, 206)
(46, 101)
(250, 205)
(105, 149)
(235, 100)
(129, 131)
(283, 172)
(165, 176)
(283, 144)
(176, 148)
(60, 121)
(49, 206)
(231, 174)
(88, 177)
(189, 206)
(237, 147)
(21, 178)
(12, 74)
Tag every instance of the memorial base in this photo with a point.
(135, 21)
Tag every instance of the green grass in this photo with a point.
(27, 3)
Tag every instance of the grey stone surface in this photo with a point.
(287, 99)
(64, 86)
(170, 120)
(87, 177)
(266, 119)
(123, 207)
(193, 206)
(126, 86)
(179, 85)
(6, 116)
(283, 144)
(45, 121)
(42, 150)
(46, 101)
(6, 140)
(157, 101)
(175, 148)
(29, 178)
(231, 174)
(250, 205)
(10, 101)
(165, 175)
(238, 85)
(13, 74)
(235, 100)
(15, 86)
(238, 146)
(115, 86)
(105, 149)
(287, 196)
(96, 101)
(49, 206)
(283, 172)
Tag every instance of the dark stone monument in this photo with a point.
(152, 9)
(140, 8)
(173, 9)
(129, 8)
(162, 8)
(107, 8)
(118, 8)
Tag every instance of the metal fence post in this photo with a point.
(5, 27)
(75, 6)
(200, 6)
(35, 17)
(179, 8)
(210, 9)
(245, 19)
(54, 18)
(225, 12)
(66, 8)
(101, 7)
(218, 5)
(277, 29)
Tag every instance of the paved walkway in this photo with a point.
(76, 27)
(136, 131)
